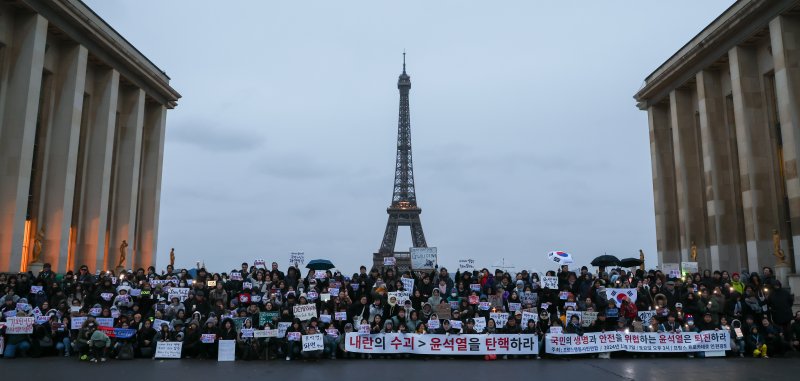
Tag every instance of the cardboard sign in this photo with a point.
(433, 324)
(305, 311)
(466, 264)
(475, 287)
(389, 261)
(211, 283)
(513, 307)
(474, 299)
(423, 258)
(320, 274)
(363, 329)
(340, 316)
(19, 325)
(208, 338)
(36, 289)
(500, 318)
(550, 282)
(260, 262)
(484, 306)
(443, 311)
(170, 349)
(227, 350)
(313, 342)
(293, 336)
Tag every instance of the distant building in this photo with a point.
(83, 118)
(724, 115)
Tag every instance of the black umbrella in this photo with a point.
(605, 261)
(320, 264)
(630, 262)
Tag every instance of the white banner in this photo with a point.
(305, 311)
(442, 344)
(423, 258)
(597, 342)
(169, 349)
(313, 342)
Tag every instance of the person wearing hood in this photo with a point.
(427, 311)
(248, 346)
(435, 298)
(780, 303)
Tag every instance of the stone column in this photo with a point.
(785, 38)
(99, 143)
(63, 136)
(726, 240)
(666, 209)
(126, 174)
(150, 186)
(689, 176)
(23, 80)
(755, 157)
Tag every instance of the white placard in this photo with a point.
(169, 349)
(305, 311)
(550, 282)
(423, 258)
(689, 268)
(500, 318)
(298, 258)
(313, 342)
(467, 264)
(227, 350)
(527, 315)
(389, 261)
(480, 324)
(408, 284)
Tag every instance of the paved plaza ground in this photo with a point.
(773, 369)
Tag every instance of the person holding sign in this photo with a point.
(247, 345)
(293, 345)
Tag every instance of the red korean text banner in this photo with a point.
(442, 344)
(597, 342)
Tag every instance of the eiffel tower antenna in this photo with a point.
(403, 210)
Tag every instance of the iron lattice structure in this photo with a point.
(404, 210)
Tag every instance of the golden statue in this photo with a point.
(776, 247)
(37, 246)
(641, 258)
(172, 257)
(694, 252)
(123, 251)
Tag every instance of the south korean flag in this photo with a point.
(618, 294)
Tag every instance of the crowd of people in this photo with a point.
(754, 308)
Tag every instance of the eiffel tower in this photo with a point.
(404, 210)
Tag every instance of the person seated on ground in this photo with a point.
(773, 337)
(794, 336)
(99, 344)
(756, 344)
(315, 354)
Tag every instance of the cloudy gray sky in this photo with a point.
(525, 134)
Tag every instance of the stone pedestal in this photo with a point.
(35, 268)
(794, 285)
(782, 271)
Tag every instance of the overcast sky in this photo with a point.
(525, 135)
